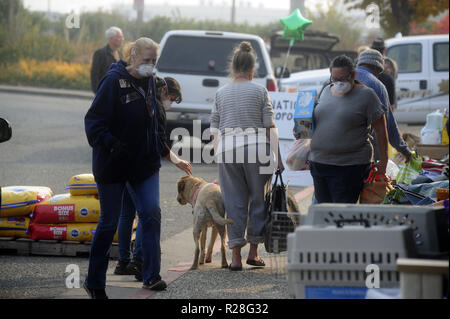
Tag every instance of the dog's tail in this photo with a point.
(218, 219)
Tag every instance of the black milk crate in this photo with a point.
(283, 223)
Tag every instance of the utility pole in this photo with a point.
(298, 4)
(233, 12)
(139, 7)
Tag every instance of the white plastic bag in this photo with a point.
(297, 159)
(392, 169)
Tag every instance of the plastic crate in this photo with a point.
(428, 223)
(324, 257)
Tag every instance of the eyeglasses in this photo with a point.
(334, 80)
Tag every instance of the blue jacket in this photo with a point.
(395, 139)
(120, 114)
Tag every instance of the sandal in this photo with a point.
(257, 262)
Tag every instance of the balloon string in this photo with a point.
(291, 43)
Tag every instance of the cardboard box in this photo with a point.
(436, 152)
(303, 114)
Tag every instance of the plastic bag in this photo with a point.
(65, 208)
(20, 200)
(297, 159)
(375, 189)
(392, 170)
(69, 232)
(14, 227)
(82, 184)
(410, 170)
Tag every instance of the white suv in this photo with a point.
(199, 61)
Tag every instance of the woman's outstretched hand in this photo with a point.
(184, 166)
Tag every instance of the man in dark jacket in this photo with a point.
(104, 57)
(387, 80)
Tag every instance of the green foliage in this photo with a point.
(397, 15)
(336, 22)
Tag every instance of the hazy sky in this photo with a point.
(84, 5)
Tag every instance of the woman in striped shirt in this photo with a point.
(241, 122)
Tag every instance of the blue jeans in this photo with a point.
(338, 184)
(127, 216)
(145, 195)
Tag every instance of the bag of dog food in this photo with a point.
(65, 208)
(68, 232)
(83, 184)
(14, 227)
(20, 200)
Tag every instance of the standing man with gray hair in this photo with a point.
(104, 57)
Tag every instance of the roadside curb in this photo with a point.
(86, 95)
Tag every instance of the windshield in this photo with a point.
(203, 56)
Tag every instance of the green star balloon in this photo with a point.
(295, 26)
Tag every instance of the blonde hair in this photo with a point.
(393, 65)
(243, 59)
(361, 49)
(133, 49)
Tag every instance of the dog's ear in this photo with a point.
(181, 184)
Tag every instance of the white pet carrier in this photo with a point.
(327, 261)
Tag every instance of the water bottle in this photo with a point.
(431, 133)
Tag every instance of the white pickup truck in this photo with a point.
(423, 76)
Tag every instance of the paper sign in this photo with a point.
(283, 108)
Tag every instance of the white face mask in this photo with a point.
(167, 104)
(342, 87)
(145, 70)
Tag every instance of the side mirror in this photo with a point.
(5, 130)
(279, 70)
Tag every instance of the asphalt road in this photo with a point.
(49, 146)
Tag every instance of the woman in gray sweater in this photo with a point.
(241, 123)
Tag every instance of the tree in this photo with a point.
(442, 26)
(397, 15)
(336, 22)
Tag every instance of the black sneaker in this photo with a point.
(155, 284)
(95, 293)
(122, 268)
(135, 267)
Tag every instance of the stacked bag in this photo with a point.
(16, 206)
(70, 217)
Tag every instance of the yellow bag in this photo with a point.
(69, 232)
(65, 208)
(14, 227)
(20, 200)
(83, 184)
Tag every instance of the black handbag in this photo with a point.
(278, 224)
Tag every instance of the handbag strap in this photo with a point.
(278, 174)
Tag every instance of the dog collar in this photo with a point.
(197, 190)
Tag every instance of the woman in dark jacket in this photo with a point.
(168, 91)
(122, 128)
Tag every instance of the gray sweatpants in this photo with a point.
(243, 191)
